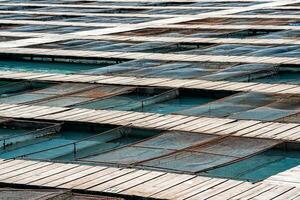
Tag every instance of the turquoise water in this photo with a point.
(47, 67)
(120, 102)
(180, 103)
(4, 132)
(46, 142)
(86, 146)
(134, 103)
(253, 169)
(19, 92)
(260, 166)
(282, 77)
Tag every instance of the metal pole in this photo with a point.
(74, 150)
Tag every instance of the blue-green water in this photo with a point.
(134, 103)
(180, 103)
(282, 77)
(47, 67)
(61, 144)
(120, 102)
(4, 132)
(260, 166)
(19, 92)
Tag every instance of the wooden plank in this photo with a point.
(218, 190)
(88, 178)
(288, 133)
(172, 192)
(66, 179)
(18, 179)
(216, 126)
(237, 126)
(149, 7)
(248, 194)
(132, 119)
(176, 123)
(102, 179)
(60, 175)
(10, 163)
(173, 119)
(145, 183)
(153, 56)
(291, 194)
(191, 123)
(264, 130)
(274, 192)
(157, 185)
(120, 180)
(282, 129)
(230, 193)
(230, 27)
(252, 128)
(78, 14)
(203, 85)
(4, 177)
(34, 178)
(140, 122)
(224, 127)
(117, 189)
(15, 167)
(190, 192)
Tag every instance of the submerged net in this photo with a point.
(61, 147)
(230, 105)
(131, 101)
(22, 137)
(211, 155)
(158, 146)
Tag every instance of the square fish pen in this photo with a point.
(64, 142)
(251, 106)
(183, 152)
(18, 133)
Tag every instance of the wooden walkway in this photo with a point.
(161, 15)
(137, 15)
(170, 21)
(284, 89)
(125, 38)
(97, 6)
(179, 1)
(134, 182)
(208, 125)
(228, 27)
(79, 54)
(290, 177)
(202, 7)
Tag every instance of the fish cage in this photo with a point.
(258, 167)
(20, 133)
(143, 99)
(64, 142)
(152, 100)
(211, 155)
(157, 146)
(47, 67)
(215, 156)
(256, 106)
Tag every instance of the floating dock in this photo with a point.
(152, 99)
